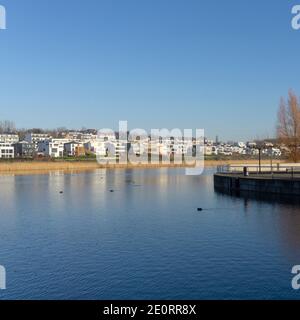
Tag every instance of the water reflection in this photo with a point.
(264, 197)
(285, 211)
(144, 240)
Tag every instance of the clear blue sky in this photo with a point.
(218, 65)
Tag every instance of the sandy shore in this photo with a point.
(41, 167)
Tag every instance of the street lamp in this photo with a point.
(259, 147)
(259, 158)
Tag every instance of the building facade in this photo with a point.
(6, 151)
(35, 138)
(24, 149)
(74, 149)
(8, 138)
(53, 148)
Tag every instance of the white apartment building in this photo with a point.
(96, 147)
(153, 147)
(241, 145)
(139, 148)
(182, 147)
(164, 149)
(110, 147)
(252, 151)
(119, 148)
(53, 148)
(214, 150)
(74, 135)
(35, 138)
(86, 137)
(6, 151)
(72, 148)
(8, 138)
(208, 150)
(272, 152)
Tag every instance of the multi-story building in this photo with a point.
(241, 145)
(35, 138)
(9, 138)
(96, 147)
(73, 135)
(74, 149)
(6, 151)
(24, 149)
(53, 148)
(86, 137)
(208, 150)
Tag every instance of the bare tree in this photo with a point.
(36, 130)
(7, 126)
(288, 128)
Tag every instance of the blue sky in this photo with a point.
(218, 65)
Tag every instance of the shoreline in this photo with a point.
(43, 167)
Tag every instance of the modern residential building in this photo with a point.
(208, 150)
(96, 147)
(9, 138)
(107, 144)
(24, 149)
(74, 149)
(120, 149)
(53, 148)
(35, 138)
(73, 135)
(6, 151)
(241, 145)
(86, 137)
(251, 144)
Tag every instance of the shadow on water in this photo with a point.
(270, 198)
(285, 213)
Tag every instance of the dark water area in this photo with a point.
(144, 240)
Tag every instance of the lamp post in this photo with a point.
(271, 159)
(259, 158)
(260, 147)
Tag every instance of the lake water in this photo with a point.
(145, 240)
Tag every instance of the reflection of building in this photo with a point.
(6, 151)
(24, 149)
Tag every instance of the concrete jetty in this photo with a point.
(284, 180)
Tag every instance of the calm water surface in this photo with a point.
(145, 240)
